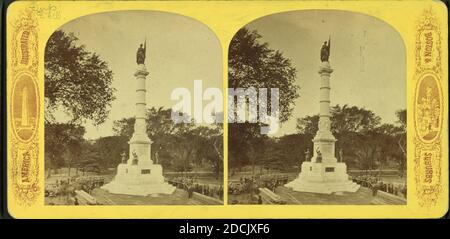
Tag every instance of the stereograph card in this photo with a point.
(227, 109)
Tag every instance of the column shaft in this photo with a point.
(140, 143)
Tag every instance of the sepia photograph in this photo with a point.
(225, 110)
(111, 134)
(337, 128)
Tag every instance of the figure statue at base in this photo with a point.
(124, 159)
(319, 156)
(341, 155)
(135, 158)
(307, 155)
(156, 157)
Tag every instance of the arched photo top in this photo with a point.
(367, 55)
(179, 50)
(331, 20)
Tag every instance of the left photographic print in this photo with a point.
(133, 111)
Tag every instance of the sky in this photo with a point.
(179, 51)
(367, 55)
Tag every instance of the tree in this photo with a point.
(89, 158)
(179, 146)
(253, 64)
(354, 129)
(62, 139)
(76, 81)
(124, 127)
(359, 133)
(401, 115)
(159, 123)
(244, 144)
(388, 143)
(210, 147)
(308, 125)
(159, 126)
(294, 147)
(401, 137)
(110, 149)
(274, 157)
(74, 146)
(352, 119)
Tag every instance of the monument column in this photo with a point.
(325, 72)
(140, 143)
(324, 140)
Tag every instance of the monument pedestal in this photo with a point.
(140, 179)
(326, 178)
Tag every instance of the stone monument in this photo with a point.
(139, 175)
(323, 174)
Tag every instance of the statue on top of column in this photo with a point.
(325, 51)
(140, 55)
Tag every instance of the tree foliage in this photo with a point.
(180, 147)
(251, 63)
(366, 143)
(245, 143)
(77, 81)
(110, 149)
(63, 144)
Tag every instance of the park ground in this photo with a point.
(179, 197)
(361, 197)
(364, 196)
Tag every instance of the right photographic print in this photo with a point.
(317, 111)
